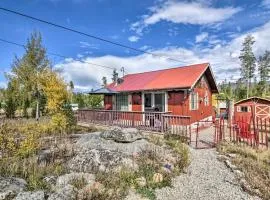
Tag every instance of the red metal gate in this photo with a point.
(207, 134)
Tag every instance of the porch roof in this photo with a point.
(103, 91)
(174, 78)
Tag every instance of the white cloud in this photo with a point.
(186, 13)
(201, 37)
(222, 55)
(266, 3)
(133, 38)
(88, 45)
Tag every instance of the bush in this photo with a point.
(64, 121)
(29, 170)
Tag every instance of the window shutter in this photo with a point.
(249, 109)
(238, 108)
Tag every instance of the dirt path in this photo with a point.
(207, 179)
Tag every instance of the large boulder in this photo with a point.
(94, 160)
(37, 195)
(9, 187)
(122, 134)
(97, 141)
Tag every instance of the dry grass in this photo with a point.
(22, 141)
(254, 163)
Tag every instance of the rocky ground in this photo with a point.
(91, 153)
(206, 178)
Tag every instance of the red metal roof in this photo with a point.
(254, 100)
(173, 78)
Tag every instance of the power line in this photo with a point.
(86, 34)
(58, 55)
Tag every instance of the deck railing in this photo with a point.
(150, 121)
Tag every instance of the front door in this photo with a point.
(159, 102)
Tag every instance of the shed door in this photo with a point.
(262, 112)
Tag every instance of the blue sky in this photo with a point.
(189, 31)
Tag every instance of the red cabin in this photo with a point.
(185, 91)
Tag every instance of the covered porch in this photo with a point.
(149, 121)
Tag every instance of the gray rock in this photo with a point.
(222, 157)
(95, 141)
(232, 155)
(122, 135)
(45, 156)
(9, 187)
(110, 133)
(94, 160)
(69, 178)
(230, 165)
(238, 173)
(50, 180)
(68, 192)
(38, 195)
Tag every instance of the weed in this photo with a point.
(147, 192)
(79, 183)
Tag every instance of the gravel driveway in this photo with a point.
(207, 179)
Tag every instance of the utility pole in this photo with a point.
(123, 70)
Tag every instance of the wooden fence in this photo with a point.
(150, 121)
(250, 131)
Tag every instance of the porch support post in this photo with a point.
(152, 99)
(143, 115)
(142, 101)
(130, 102)
(114, 102)
(166, 102)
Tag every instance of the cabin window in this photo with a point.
(122, 102)
(206, 99)
(194, 101)
(148, 100)
(244, 109)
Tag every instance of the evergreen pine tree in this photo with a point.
(248, 60)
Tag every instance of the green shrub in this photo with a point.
(147, 192)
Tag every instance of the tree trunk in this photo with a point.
(37, 110)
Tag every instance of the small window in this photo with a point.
(244, 109)
(193, 101)
(206, 99)
(122, 102)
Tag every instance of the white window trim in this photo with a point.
(196, 101)
(206, 99)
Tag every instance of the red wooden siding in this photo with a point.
(108, 102)
(136, 102)
(178, 103)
